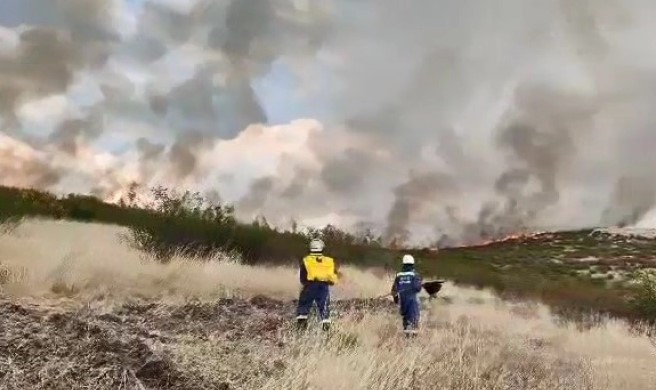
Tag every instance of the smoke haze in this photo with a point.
(434, 120)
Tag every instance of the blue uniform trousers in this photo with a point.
(314, 292)
(409, 308)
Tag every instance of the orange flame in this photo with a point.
(520, 236)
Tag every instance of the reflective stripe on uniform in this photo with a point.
(408, 273)
(327, 321)
(302, 317)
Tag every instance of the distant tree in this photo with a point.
(261, 221)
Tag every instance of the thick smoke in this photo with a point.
(632, 198)
(414, 197)
(522, 115)
(68, 135)
(183, 154)
(68, 36)
(257, 195)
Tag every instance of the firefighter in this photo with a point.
(407, 284)
(317, 274)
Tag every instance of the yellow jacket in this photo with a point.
(318, 268)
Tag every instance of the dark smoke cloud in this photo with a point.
(71, 132)
(39, 174)
(245, 22)
(44, 63)
(236, 40)
(149, 155)
(183, 154)
(62, 37)
(346, 173)
(257, 195)
(414, 197)
(158, 26)
(249, 35)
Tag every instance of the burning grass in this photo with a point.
(83, 310)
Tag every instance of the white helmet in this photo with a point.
(316, 245)
(408, 259)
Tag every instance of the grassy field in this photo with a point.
(81, 309)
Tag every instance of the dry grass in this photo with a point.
(368, 353)
(618, 358)
(469, 344)
(53, 259)
(470, 339)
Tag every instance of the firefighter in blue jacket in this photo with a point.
(407, 284)
(317, 274)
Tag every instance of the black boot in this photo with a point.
(325, 326)
(301, 324)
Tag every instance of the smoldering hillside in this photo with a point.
(437, 120)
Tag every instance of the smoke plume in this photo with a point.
(525, 114)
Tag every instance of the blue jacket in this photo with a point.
(407, 283)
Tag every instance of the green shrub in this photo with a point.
(189, 225)
(644, 300)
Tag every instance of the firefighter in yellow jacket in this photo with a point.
(317, 274)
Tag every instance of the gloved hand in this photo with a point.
(396, 299)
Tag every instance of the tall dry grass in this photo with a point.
(368, 353)
(470, 338)
(453, 352)
(474, 342)
(45, 259)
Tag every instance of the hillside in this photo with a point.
(81, 309)
(576, 270)
(610, 256)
